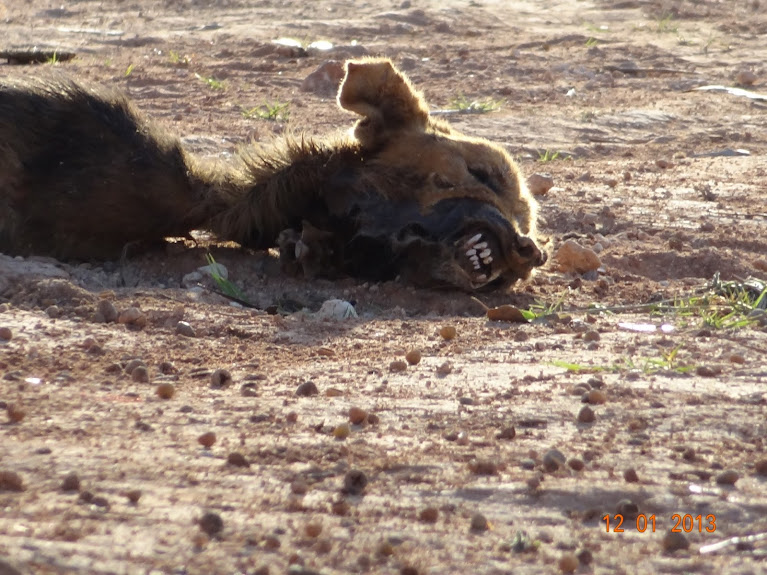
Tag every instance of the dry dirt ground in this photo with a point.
(473, 460)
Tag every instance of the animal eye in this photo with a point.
(484, 178)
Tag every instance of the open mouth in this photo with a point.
(480, 256)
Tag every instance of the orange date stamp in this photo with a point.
(681, 523)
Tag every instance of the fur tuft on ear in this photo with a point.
(376, 90)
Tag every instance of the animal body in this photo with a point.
(82, 175)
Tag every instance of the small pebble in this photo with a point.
(53, 311)
(568, 563)
(630, 475)
(373, 419)
(357, 416)
(429, 515)
(133, 495)
(220, 378)
(398, 366)
(165, 390)
(734, 358)
(483, 467)
(133, 364)
(591, 335)
(708, 371)
(291, 417)
(595, 397)
(576, 463)
(207, 439)
(413, 357)
(445, 369)
(342, 431)
(572, 257)
(307, 389)
(333, 392)
(539, 184)
(479, 523)
(6, 333)
(11, 481)
(761, 467)
(237, 459)
(140, 374)
(448, 332)
(507, 433)
(340, 508)
(107, 310)
(15, 412)
(313, 529)
(585, 557)
(71, 482)
(627, 508)
(299, 487)
(133, 316)
(211, 524)
(586, 415)
(727, 477)
(674, 540)
(355, 482)
(553, 459)
(185, 329)
(745, 77)
(249, 390)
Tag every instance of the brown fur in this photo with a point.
(82, 175)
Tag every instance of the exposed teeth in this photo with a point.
(484, 253)
(471, 252)
(476, 266)
(473, 240)
(481, 245)
(488, 260)
(481, 277)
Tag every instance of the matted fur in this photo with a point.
(82, 175)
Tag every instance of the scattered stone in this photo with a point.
(630, 475)
(140, 374)
(398, 366)
(576, 463)
(553, 459)
(340, 508)
(53, 311)
(299, 487)
(483, 467)
(342, 431)
(324, 81)
(507, 433)
(591, 335)
(333, 392)
(207, 439)
(727, 477)
(8, 569)
(132, 316)
(107, 310)
(627, 508)
(664, 164)
(166, 390)
(737, 358)
(479, 523)
(183, 328)
(306, 389)
(745, 77)
(357, 416)
(585, 557)
(237, 459)
(761, 467)
(540, 184)
(373, 419)
(100, 501)
(15, 412)
(6, 333)
(445, 369)
(11, 481)
(133, 364)
(220, 378)
(211, 524)
(133, 496)
(586, 415)
(708, 371)
(249, 390)
(429, 515)
(673, 541)
(71, 482)
(355, 482)
(568, 563)
(574, 258)
(448, 332)
(336, 309)
(466, 400)
(313, 529)
(291, 417)
(507, 313)
(594, 397)
(413, 357)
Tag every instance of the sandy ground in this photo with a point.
(473, 460)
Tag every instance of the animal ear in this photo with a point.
(375, 89)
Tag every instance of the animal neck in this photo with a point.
(275, 188)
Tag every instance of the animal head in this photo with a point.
(448, 209)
